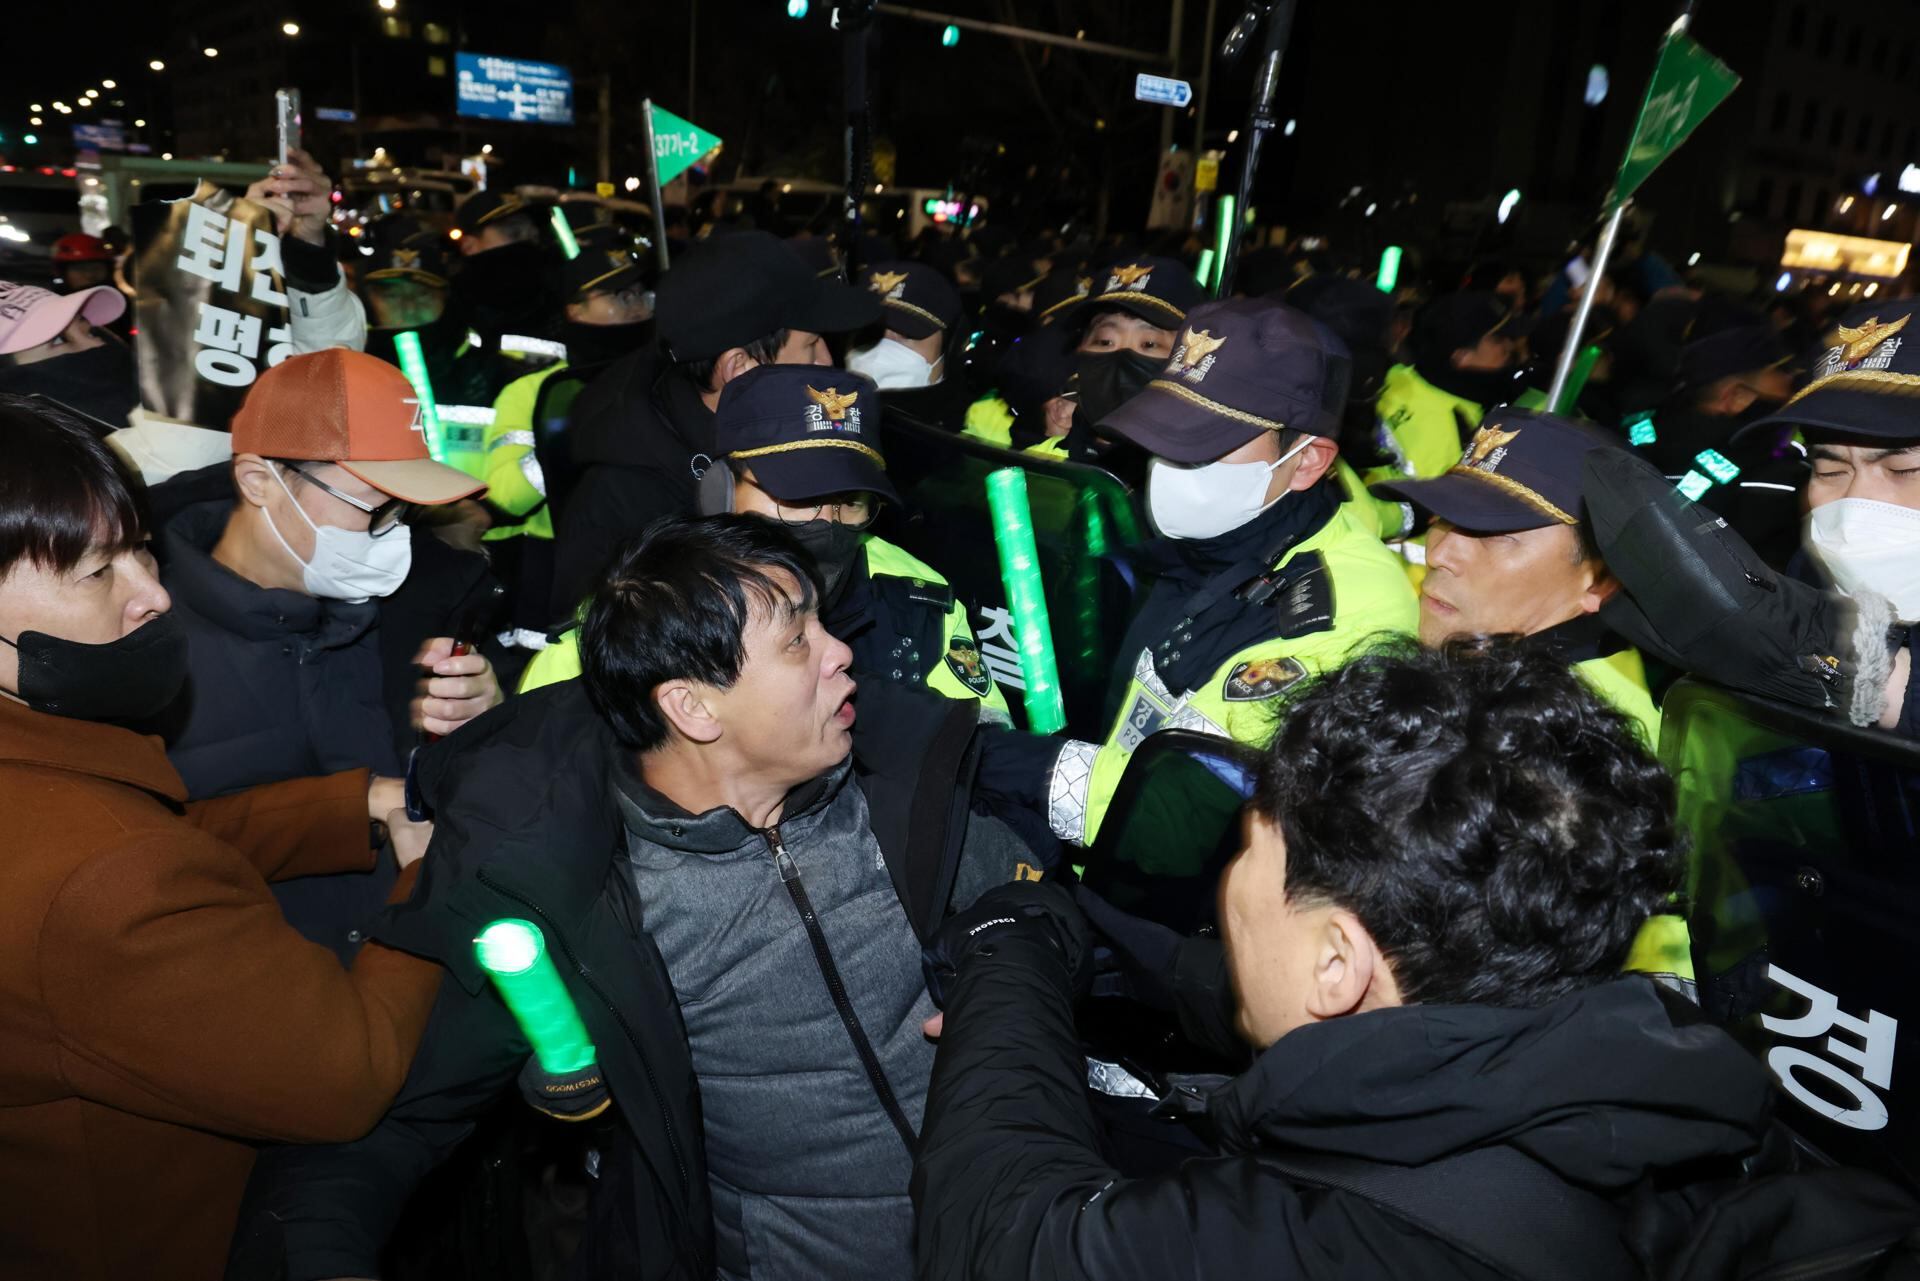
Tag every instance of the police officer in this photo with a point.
(506, 289)
(405, 286)
(1511, 552)
(609, 314)
(1465, 358)
(1265, 574)
(802, 446)
(642, 432)
(917, 362)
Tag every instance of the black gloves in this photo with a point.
(1042, 911)
(1695, 594)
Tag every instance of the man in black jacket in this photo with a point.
(642, 432)
(736, 888)
(1448, 856)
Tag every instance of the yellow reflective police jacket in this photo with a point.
(1355, 590)
(514, 481)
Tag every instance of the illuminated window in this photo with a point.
(437, 33)
(436, 65)
(395, 28)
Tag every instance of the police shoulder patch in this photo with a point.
(966, 664)
(1261, 679)
(1304, 604)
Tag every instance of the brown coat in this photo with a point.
(157, 1015)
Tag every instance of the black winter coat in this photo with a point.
(640, 437)
(527, 825)
(1600, 1088)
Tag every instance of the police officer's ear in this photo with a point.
(729, 365)
(1317, 457)
(253, 479)
(686, 707)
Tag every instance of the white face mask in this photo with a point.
(1211, 499)
(349, 565)
(1871, 546)
(892, 365)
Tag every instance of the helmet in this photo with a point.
(80, 247)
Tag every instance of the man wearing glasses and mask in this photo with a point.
(801, 445)
(280, 589)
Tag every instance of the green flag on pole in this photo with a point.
(678, 144)
(1688, 83)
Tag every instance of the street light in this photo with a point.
(109, 84)
(290, 28)
(36, 107)
(1507, 202)
(950, 37)
(211, 52)
(156, 65)
(389, 5)
(30, 139)
(139, 124)
(36, 120)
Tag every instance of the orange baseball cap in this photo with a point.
(346, 407)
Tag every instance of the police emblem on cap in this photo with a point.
(889, 284)
(1194, 356)
(405, 259)
(1870, 345)
(964, 661)
(1489, 447)
(1261, 679)
(1137, 276)
(833, 411)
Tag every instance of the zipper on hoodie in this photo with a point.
(823, 956)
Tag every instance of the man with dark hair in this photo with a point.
(1447, 858)
(642, 432)
(736, 884)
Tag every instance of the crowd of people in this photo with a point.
(294, 709)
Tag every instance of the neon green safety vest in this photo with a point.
(1664, 944)
(514, 480)
(1419, 426)
(955, 669)
(1370, 597)
(989, 419)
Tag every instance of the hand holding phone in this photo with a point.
(286, 107)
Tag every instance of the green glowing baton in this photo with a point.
(1389, 269)
(414, 365)
(564, 234)
(1020, 572)
(1223, 239)
(1204, 272)
(1577, 380)
(514, 955)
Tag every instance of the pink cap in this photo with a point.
(30, 315)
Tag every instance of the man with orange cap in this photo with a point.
(279, 588)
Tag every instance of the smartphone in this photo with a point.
(286, 107)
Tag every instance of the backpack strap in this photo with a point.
(1496, 1205)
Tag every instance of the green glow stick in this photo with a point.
(1204, 272)
(1577, 380)
(514, 955)
(1640, 429)
(1223, 240)
(1717, 465)
(1020, 572)
(414, 365)
(1389, 269)
(565, 233)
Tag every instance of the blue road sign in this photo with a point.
(513, 89)
(342, 115)
(1164, 90)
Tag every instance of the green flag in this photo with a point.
(678, 144)
(1688, 83)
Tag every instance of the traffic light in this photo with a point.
(796, 8)
(31, 139)
(950, 37)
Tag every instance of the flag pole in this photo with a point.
(1563, 367)
(653, 184)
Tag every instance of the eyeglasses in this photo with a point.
(854, 510)
(380, 520)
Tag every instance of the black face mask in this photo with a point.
(833, 546)
(598, 344)
(1109, 379)
(129, 679)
